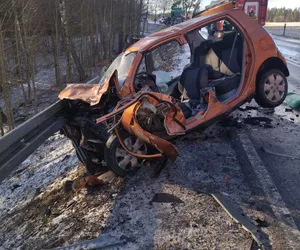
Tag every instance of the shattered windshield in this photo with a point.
(122, 64)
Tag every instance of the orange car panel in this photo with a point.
(131, 124)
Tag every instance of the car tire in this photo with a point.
(114, 154)
(271, 89)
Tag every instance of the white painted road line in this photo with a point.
(273, 196)
(292, 62)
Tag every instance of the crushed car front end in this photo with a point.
(137, 125)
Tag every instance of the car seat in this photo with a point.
(223, 48)
(194, 78)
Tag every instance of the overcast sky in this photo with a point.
(272, 3)
(284, 3)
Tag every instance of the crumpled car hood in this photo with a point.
(89, 93)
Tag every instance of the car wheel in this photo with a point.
(271, 89)
(116, 157)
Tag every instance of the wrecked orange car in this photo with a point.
(170, 83)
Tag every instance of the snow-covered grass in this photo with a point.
(50, 162)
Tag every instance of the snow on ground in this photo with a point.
(38, 214)
(36, 173)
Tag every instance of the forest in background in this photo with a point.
(85, 33)
(283, 15)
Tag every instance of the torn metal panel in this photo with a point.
(88, 92)
(245, 222)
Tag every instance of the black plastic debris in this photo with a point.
(261, 223)
(268, 111)
(288, 110)
(15, 186)
(259, 121)
(166, 198)
(231, 122)
(260, 238)
(246, 108)
(47, 211)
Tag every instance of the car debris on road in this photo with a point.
(258, 236)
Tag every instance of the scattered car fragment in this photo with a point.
(89, 182)
(170, 83)
(258, 236)
(165, 198)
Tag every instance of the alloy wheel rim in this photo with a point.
(124, 159)
(274, 88)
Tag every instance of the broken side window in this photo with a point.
(168, 61)
(216, 30)
(122, 64)
(142, 67)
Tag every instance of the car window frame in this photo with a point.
(162, 44)
(144, 54)
(246, 44)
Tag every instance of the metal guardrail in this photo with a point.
(21, 142)
(285, 30)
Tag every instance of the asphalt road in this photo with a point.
(270, 159)
(291, 31)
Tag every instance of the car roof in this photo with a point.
(173, 31)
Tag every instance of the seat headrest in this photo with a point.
(204, 47)
(201, 50)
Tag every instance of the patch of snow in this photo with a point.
(58, 219)
(35, 173)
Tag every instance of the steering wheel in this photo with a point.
(145, 79)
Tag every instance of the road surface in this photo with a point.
(278, 177)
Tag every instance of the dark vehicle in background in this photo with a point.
(168, 21)
(161, 20)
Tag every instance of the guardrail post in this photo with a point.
(284, 27)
